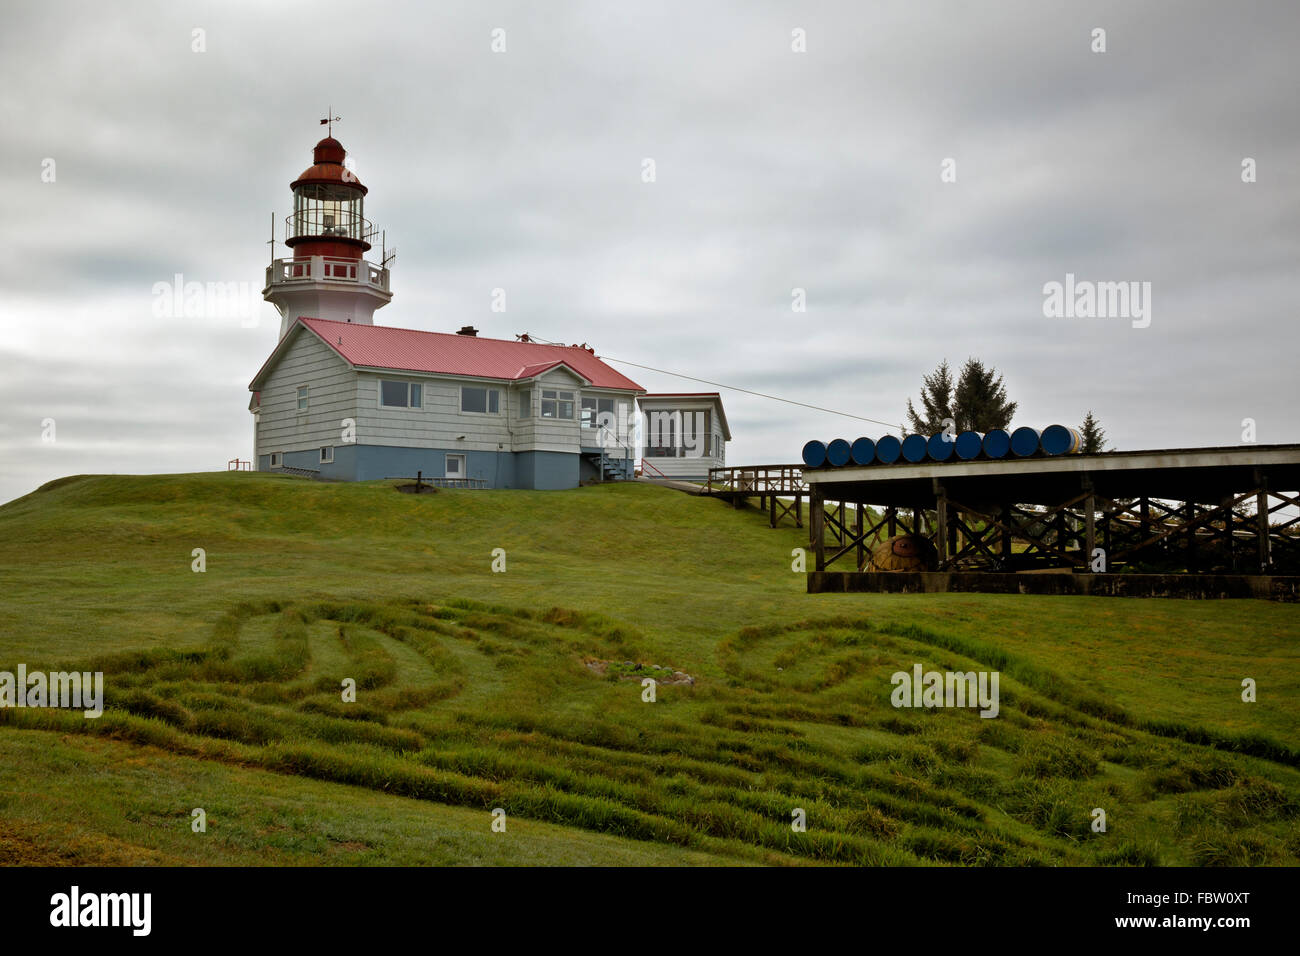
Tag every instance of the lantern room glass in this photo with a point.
(329, 211)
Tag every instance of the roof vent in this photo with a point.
(467, 330)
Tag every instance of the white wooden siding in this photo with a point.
(331, 398)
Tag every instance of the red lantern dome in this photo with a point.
(328, 208)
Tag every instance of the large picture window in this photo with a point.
(557, 404)
(484, 401)
(400, 394)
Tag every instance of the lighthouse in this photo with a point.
(327, 276)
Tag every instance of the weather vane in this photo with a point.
(330, 120)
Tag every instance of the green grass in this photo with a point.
(473, 692)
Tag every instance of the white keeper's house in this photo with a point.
(342, 398)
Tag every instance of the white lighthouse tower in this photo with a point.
(328, 234)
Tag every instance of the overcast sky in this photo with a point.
(774, 170)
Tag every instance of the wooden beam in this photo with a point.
(857, 528)
(1090, 531)
(941, 528)
(818, 522)
(1261, 529)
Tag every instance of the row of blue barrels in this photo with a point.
(1021, 443)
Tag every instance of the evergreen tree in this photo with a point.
(977, 402)
(981, 403)
(936, 402)
(1093, 437)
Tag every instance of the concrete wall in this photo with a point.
(343, 468)
(1195, 586)
(546, 470)
(528, 469)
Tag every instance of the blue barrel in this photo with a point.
(863, 451)
(996, 443)
(1024, 442)
(837, 453)
(814, 454)
(1060, 440)
(968, 445)
(939, 447)
(888, 448)
(914, 448)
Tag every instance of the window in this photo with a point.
(302, 398)
(480, 400)
(598, 411)
(327, 454)
(526, 404)
(556, 404)
(400, 394)
(455, 466)
(277, 459)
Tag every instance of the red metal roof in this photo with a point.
(378, 346)
(681, 395)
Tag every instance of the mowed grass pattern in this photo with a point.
(473, 691)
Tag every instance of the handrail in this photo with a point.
(756, 479)
(332, 269)
(316, 223)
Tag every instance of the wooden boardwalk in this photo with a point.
(780, 489)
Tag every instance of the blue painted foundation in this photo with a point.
(543, 470)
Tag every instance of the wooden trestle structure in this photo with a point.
(780, 489)
(1207, 522)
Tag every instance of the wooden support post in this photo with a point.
(1190, 510)
(1090, 531)
(818, 521)
(892, 515)
(798, 510)
(771, 511)
(1261, 529)
(1226, 535)
(941, 528)
(1004, 516)
(857, 531)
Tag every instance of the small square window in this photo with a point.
(326, 454)
(557, 404)
(277, 459)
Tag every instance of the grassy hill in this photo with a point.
(475, 692)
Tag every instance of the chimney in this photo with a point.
(467, 330)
